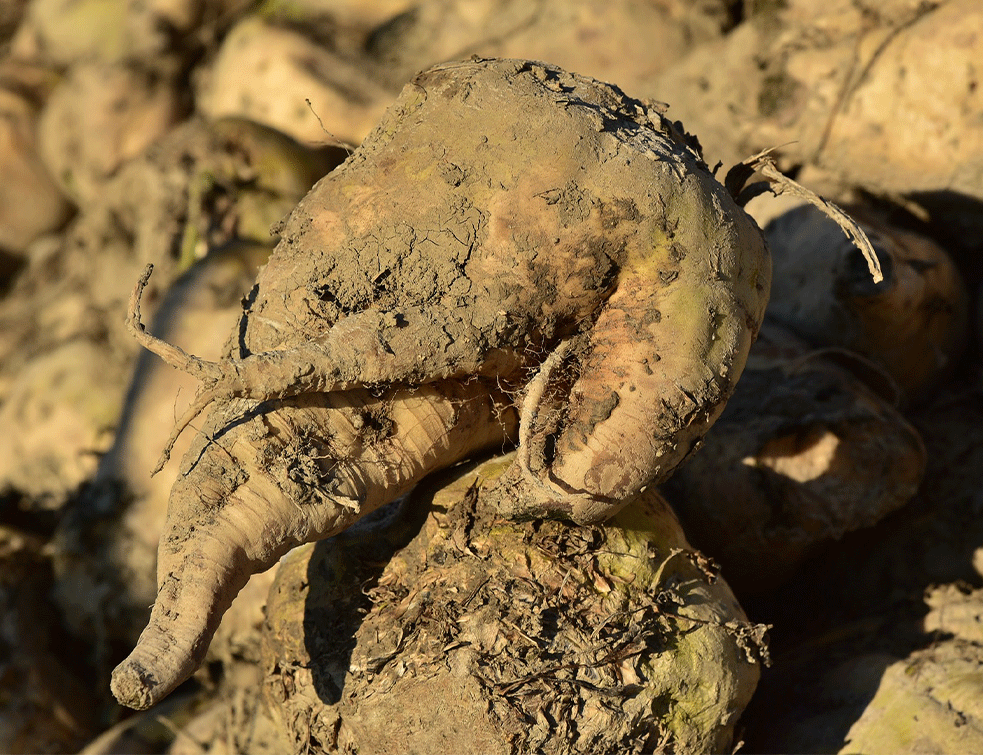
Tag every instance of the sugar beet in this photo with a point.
(511, 240)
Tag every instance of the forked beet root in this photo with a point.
(513, 244)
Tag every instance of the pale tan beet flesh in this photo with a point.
(510, 236)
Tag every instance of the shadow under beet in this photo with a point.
(956, 221)
(338, 574)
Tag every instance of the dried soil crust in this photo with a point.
(488, 636)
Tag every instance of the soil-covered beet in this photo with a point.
(593, 221)
(483, 635)
(585, 272)
(136, 132)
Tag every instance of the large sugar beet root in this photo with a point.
(461, 242)
(508, 231)
(483, 635)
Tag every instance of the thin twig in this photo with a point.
(208, 372)
(173, 355)
(764, 163)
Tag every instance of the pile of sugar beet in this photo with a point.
(525, 438)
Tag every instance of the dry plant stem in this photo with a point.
(173, 355)
(208, 372)
(782, 184)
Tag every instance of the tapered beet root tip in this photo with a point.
(134, 686)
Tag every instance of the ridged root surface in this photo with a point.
(281, 475)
